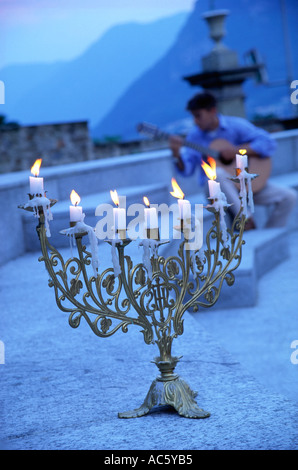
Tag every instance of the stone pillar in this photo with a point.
(228, 89)
(221, 72)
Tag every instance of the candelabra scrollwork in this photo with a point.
(156, 303)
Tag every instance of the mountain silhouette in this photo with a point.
(87, 87)
(160, 94)
(134, 72)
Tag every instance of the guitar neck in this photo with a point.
(152, 130)
(204, 150)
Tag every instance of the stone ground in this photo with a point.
(61, 388)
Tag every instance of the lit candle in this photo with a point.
(150, 221)
(214, 189)
(210, 170)
(245, 179)
(150, 215)
(183, 204)
(36, 184)
(37, 198)
(241, 160)
(119, 216)
(75, 211)
(184, 209)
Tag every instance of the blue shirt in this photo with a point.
(236, 130)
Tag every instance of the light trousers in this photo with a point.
(281, 200)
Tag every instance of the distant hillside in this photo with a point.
(160, 94)
(87, 88)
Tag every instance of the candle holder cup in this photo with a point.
(238, 172)
(121, 234)
(152, 234)
(36, 208)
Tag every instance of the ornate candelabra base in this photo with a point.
(169, 389)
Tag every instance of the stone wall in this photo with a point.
(55, 143)
(59, 144)
(64, 143)
(133, 175)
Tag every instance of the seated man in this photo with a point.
(227, 135)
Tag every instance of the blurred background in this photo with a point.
(99, 68)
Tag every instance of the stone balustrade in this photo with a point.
(147, 173)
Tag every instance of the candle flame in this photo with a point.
(114, 196)
(146, 201)
(210, 169)
(177, 192)
(75, 198)
(35, 168)
(242, 151)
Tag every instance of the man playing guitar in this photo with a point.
(221, 137)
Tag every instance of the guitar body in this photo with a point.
(259, 166)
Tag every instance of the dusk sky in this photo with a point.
(50, 30)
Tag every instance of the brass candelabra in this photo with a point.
(156, 303)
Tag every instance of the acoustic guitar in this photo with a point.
(259, 166)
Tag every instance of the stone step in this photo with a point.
(288, 180)
(263, 250)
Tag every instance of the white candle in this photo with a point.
(183, 205)
(151, 219)
(119, 216)
(75, 211)
(184, 209)
(36, 183)
(214, 189)
(151, 230)
(241, 162)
